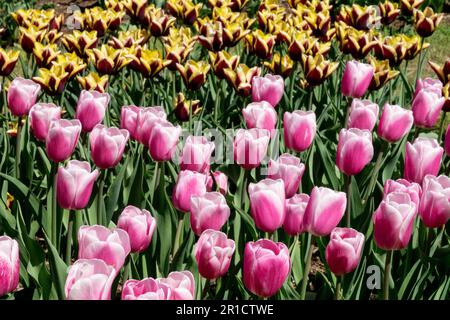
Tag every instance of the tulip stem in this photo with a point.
(69, 238)
(18, 147)
(348, 191)
(307, 267)
(205, 289)
(217, 102)
(387, 274)
(100, 198)
(376, 169)
(291, 86)
(177, 237)
(310, 102)
(441, 126)
(337, 293)
(420, 62)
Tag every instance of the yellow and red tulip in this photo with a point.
(426, 21)
(185, 10)
(93, 82)
(29, 36)
(389, 11)
(52, 80)
(108, 60)
(446, 95)
(241, 78)
(408, 6)
(80, 41)
(71, 63)
(358, 43)
(443, 72)
(317, 69)
(177, 54)
(382, 73)
(261, 44)
(359, 17)
(212, 36)
(222, 60)
(130, 38)
(45, 54)
(281, 65)
(193, 73)
(184, 108)
(8, 60)
(158, 22)
(148, 62)
(136, 8)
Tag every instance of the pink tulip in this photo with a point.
(9, 265)
(429, 84)
(395, 123)
(267, 204)
(343, 252)
(266, 267)
(289, 169)
(182, 285)
(147, 289)
(41, 115)
(146, 120)
(325, 209)
(269, 88)
(140, 226)
(363, 114)
(213, 253)
(163, 140)
(129, 120)
(107, 145)
(217, 180)
(208, 211)
(299, 129)
(447, 141)
(401, 185)
(422, 157)
(91, 108)
(196, 154)
(74, 184)
(189, 183)
(89, 279)
(62, 139)
(250, 147)
(98, 242)
(426, 107)
(356, 79)
(393, 221)
(434, 206)
(22, 95)
(354, 151)
(295, 211)
(260, 115)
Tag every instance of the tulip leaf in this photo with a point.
(330, 168)
(114, 192)
(58, 269)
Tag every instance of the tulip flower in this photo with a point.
(299, 129)
(9, 265)
(163, 140)
(41, 115)
(434, 209)
(185, 109)
(89, 279)
(53, 80)
(267, 204)
(128, 119)
(383, 73)
(189, 183)
(221, 61)
(182, 285)
(281, 65)
(108, 60)
(250, 147)
(22, 95)
(401, 185)
(422, 157)
(266, 267)
(146, 289)
(395, 123)
(427, 106)
(213, 253)
(429, 84)
(289, 169)
(196, 154)
(140, 226)
(91, 108)
(325, 209)
(317, 69)
(426, 21)
(194, 73)
(148, 62)
(145, 122)
(99, 242)
(208, 211)
(107, 145)
(241, 78)
(295, 211)
(218, 180)
(160, 23)
(356, 79)
(447, 141)
(80, 41)
(363, 115)
(389, 11)
(354, 151)
(443, 72)
(74, 184)
(269, 88)
(186, 10)
(260, 115)
(93, 82)
(261, 44)
(393, 221)
(62, 139)
(71, 63)
(8, 60)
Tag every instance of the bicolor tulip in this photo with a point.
(363, 114)
(289, 169)
(427, 106)
(163, 140)
(146, 119)
(402, 185)
(434, 209)
(218, 180)
(208, 211)
(146, 289)
(356, 79)
(260, 115)
(129, 120)
(62, 139)
(395, 123)
(91, 108)
(299, 129)
(189, 183)
(140, 226)
(9, 265)
(269, 88)
(250, 147)
(295, 211)
(196, 154)
(41, 115)
(22, 95)
(354, 151)
(428, 84)
(181, 283)
(107, 145)
(422, 157)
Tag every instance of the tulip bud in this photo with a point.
(163, 140)
(295, 211)
(434, 209)
(140, 226)
(289, 169)
(250, 147)
(401, 185)
(299, 129)
(269, 88)
(354, 151)
(146, 289)
(423, 157)
(107, 145)
(266, 267)
(325, 209)
(356, 79)
(146, 119)
(393, 221)
(427, 106)
(363, 114)
(382, 73)
(218, 180)
(9, 265)
(182, 285)
(196, 154)
(22, 95)
(395, 123)
(189, 183)
(41, 115)
(91, 107)
(343, 252)
(62, 139)
(208, 211)
(260, 115)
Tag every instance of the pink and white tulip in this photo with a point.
(62, 139)
(163, 140)
(434, 209)
(354, 151)
(428, 84)
(9, 265)
(402, 185)
(395, 123)
(422, 157)
(260, 115)
(295, 211)
(299, 129)
(447, 141)
(91, 108)
(129, 119)
(289, 169)
(250, 147)
(22, 95)
(363, 114)
(220, 180)
(145, 122)
(181, 283)
(140, 226)
(269, 88)
(208, 211)
(107, 145)
(426, 107)
(146, 289)
(41, 115)
(356, 79)
(189, 183)
(196, 154)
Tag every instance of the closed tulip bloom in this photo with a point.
(434, 209)
(146, 289)
(89, 279)
(22, 95)
(140, 226)
(354, 151)
(128, 120)
(402, 185)
(213, 253)
(9, 265)
(426, 107)
(189, 183)
(266, 267)
(422, 157)
(181, 283)
(196, 154)
(429, 84)
(218, 180)
(74, 184)
(208, 211)
(107, 145)
(395, 123)
(447, 141)
(295, 211)
(324, 211)
(356, 79)
(250, 147)
(363, 115)
(267, 204)
(91, 108)
(393, 221)
(343, 252)
(41, 115)
(289, 169)
(99, 242)
(260, 115)
(146, 120)
(269, 88)
(62, 139)
(299, 129)
(163, 140)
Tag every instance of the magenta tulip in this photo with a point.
(189, 183)
(447, 141)
(163, 140)
(218, 180)
(426, 107)
(260, 115)
(395, 123)
(422, 157)
(91, 108)
(434, 206)
(295, 211)
(401, 185)
(62, 139)
(250, 147)
(147, 289)
(354, 151)
(9, 265)
(429, 84)
(146, 120)
(289, 169)
(269, 88)
(299, 129)
(22, 95)
(140, 226)
(129, 120)
(196, 154)
(181, 283)
(107, 145)
(41, 115)
(363, 115)
(356, 79)
(208, 211)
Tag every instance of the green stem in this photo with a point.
(348, 191)
(177, 237)
(205, 289)
(100, 198)
(310, 102)
(307, 268)
(337, 293)
(387, 274)
(69, 238)
(291, 86)
(54, 205)
(347, 112)
(217, 102)
(441, 126)
(419, 65)
(18, 147)
(376, 169)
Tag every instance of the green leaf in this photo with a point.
(114, 192)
